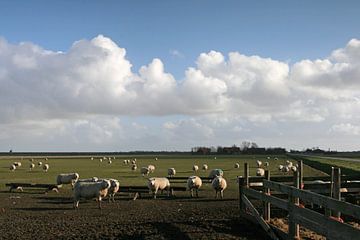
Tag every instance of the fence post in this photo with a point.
(246, 174)
(294, 232)
(327, 210)
(336, 189)
(243, 182)
(266, 211)
(301, 173)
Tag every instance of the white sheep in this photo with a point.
(133, 167)
(39, 163)
(89, 190)
(171, 172)
(125, 161)
(133, 161)
(114, 188)
(236, 165)
(156, 159)
(46, 167)
(195, 168)
(31, 166)
(151, 168)
(144, 171)
(100, 160)
(12, 167)
(67, 178)
(260, 172)
(216, 172)
(17, 164)
(109, 161)
(293, 168)
(219, 185)
(205, 167)
(155, 184)
(266, 164)
(258, 163)
(92, 158)
(194, 182)
(92, 179)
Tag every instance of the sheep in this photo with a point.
(258, 163)
(89, 190)
(216, 172)
(39, 163)
(156, 159)
(92, 158)
(100, 160)
(219, 184)
(155, 184)
(144, 171)
(46, 167)
(125, 161)
(205, 167)
(194, 182)
(46, 159)
(283, 168)
(31, 160)
(31, 166)
(133, 167)
(293, 168)
(276, 159)
(92, 179)
(236, 165)
(260, 172)
(133, 161)
(171, 172)
(17, 164)
(114, 188)
(151, 168)
(12, 167)
(195, 168)
(109, 161)
(266, 164)
(67, 178)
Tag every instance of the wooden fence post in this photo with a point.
(336, 189)
(246, 174)
(266, 210)
(328, 211)
(294, 231)
(301, 173)
(243, 182)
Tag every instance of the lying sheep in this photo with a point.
(67, 178)
(114, 188)
(260, 172)
(89, 190)
(195, 168)
(216, 172)
(12, 167)
(171, 172)
(205, 167)
(17, 164)
(46, 167)
(144, 171)
(155, 184)
(236, 165)
(151, 168)
(194, 182)
(219, 184)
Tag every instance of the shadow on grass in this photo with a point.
(40, 209)
(170, 231)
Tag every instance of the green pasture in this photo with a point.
(353, 165)
(182, 163)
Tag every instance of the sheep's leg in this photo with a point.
(76, 204)
(197, 193)
(155, 193)
(222, 194)
(216, 192)
(191, 192)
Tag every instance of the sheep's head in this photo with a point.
(76, 176)
(152, 181)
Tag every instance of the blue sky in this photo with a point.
(181, 35)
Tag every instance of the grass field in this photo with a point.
(182, 163)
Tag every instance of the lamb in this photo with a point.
(133, 167)
(237, 165)
(258, 163)
(194, 182)
(171, 172)
(46, 167)
(114, 188)
(67, 178)
(31, 166)
(216, 172)
(205, 167)
(151, 168)
(195, 168)
(219, 184)
(260, 172)
(155, 184)
(144, 171)
(12, 167)
(89, 190)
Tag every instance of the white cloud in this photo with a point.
(345, 128)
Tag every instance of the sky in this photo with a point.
(171, 75)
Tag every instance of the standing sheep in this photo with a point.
(39, 163)
(151, 168)
(195, 168)
(194, 182)
(12, 167)
(171, 172)
(114, 188)
(92, 179)
(133, 167)
(46, 167)
(67, 178)
(89, 190)
(258, 163)
(216, 172)
(144, 171)
(237, 165)
(31, 166)
(17, 164)
(205, 167)
(155, 184)
(260, 172)
(219, 184)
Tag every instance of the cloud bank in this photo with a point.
(85, 93)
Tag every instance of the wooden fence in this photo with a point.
(328, 224)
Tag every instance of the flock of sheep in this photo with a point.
(16, 165)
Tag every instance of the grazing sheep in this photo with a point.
(89, 190)
(67, 178)
(156, 159)
(100, 160)
(31, 166)
(46, 167)
(155, 184)
(133, 161)
(31, 160)
(93, 179)
(216, 172)
(284, 169)
(17, 164)
(219, 184)
(266, 164)
(144, 171)
(171, 172)
(258, 163)
(39, 163)
(151, 168)
(12, 167)
(268, 158)
(205, 167)
(92, 158)
(195, 168)
(194, 182)
(109, 161)
(276, 159)
(236, 165)
(125, 161)
(293, 168)
(260, 172)
(114, 188)
(133, 167)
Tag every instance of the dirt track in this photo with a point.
(40, 216)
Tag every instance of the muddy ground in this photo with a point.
(34, 215)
